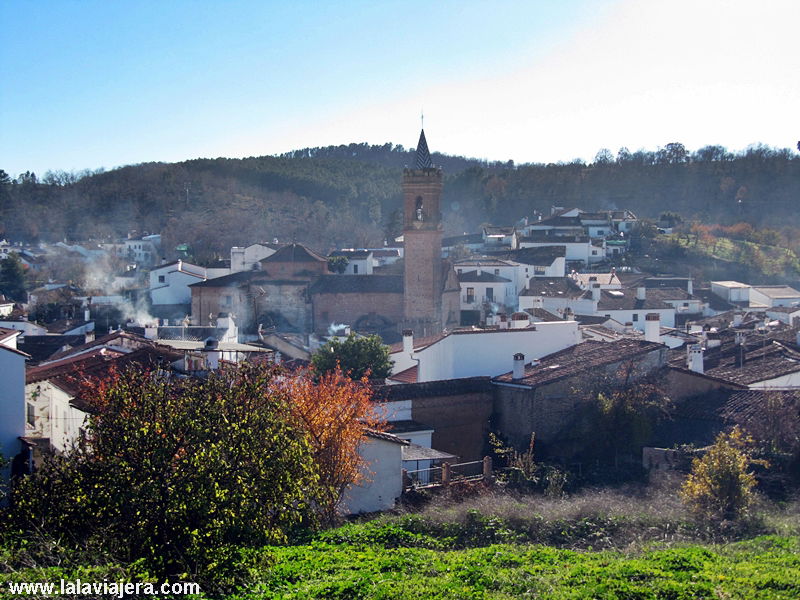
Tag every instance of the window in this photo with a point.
(497, 271)
(162, 278)
(686, 305)
(594, 252)
(31, 416)
(228, 300)
(635, 317)
(470, 295)
(460, 271)
(490, 294)
(355, 269)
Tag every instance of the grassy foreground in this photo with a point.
(626, 544)
(766, 567)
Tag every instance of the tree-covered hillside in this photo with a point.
(351, 195)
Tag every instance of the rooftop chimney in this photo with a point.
(737, 319)
(519, 366)
(689, 288)
(595, 291)
(695, 358)
(652, 327)
(408, 341)
(641, 293)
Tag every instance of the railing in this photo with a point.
(448, 474)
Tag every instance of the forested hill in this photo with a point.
(350, 195)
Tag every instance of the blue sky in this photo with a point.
(88, 84)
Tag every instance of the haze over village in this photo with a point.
(453, 335)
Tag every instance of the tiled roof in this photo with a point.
(467, 238)
(626, 300)
(542, 256)
(428, 389)
(232, 280)
(483, 262)
(386, 437)
(352, 254)
(483, 277)
(580, 359)
(294, 253)
(406, 426)
(554, 240)
(732, 406)
(777, 291)
(559, 221)
(555, 287)
(498, 230)
(8, 333)
(357, 284)
(410, 375)
(64, 325)
(541, 315)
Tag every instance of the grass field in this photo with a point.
(624, 544)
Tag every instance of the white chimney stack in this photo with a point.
(151, 331)
(408, 341)
(652, 327)
(87, 315)
(595, 291)
(641, 293)
(737, 319)
(695, 358)
(689, 286)
(519, 366)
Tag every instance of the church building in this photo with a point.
(426, 298)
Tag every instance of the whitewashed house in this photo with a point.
(169, 284)
(247, 258)
(359, 262)
(479, 287)
(12, 399)
(478, 352)
(381, 483)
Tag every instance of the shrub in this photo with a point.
(720, 487)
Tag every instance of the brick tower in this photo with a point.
(422, 234)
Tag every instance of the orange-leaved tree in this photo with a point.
(335, 411)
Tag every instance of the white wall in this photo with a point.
(26, 327)
(488, 353)
(55, 418)
(504, 294)
(174, 290)
(12, 404)
(792, 380)
(243, 258)
(382, 482)
(666, 316)
(574, 250)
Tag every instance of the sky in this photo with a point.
(96, 84)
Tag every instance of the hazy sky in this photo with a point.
(87, 84)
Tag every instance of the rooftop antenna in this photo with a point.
(422, 120)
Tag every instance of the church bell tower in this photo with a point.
(422, 235)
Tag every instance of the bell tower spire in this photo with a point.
(422, 235)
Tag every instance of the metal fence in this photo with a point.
(446, 474)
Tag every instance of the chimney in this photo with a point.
(695, 358)
(739, 338)
(641, 293)
(151, 331)
(503, 321)
(652, 327)
(689, 286)
(595, 291)
(87, 315)
(408, 341)
(737, 319)
(519, 366)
